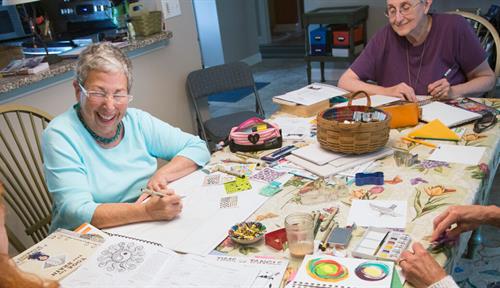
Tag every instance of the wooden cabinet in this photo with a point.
(349, 16)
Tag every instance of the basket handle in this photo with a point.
(368, 101)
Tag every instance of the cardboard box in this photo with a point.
(302, 110)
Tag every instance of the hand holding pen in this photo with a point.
(161, 205)
(442, 88)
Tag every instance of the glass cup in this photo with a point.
(299, 232)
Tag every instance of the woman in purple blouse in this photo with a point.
(419, 53)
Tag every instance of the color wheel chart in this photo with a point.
(371, 271)
(332, 271)
(326, 270)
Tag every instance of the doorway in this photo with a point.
(285, 37)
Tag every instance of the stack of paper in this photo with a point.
(375, 100)
(325, 163)
(311, 94)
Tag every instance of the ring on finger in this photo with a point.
(401, 261)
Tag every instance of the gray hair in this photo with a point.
(103, 57)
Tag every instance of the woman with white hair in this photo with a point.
(100, 153)
(421, 53)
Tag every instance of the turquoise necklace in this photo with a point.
(98, 138)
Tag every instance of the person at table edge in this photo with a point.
(100, 153)
(419, 53)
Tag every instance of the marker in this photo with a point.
(419, 142)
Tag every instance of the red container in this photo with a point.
(276, 238)
(341, 35)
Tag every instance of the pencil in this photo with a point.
(420, 142)
(151, 192)
(159, 194)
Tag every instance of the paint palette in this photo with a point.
(382, 244)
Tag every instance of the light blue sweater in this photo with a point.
(80, 174)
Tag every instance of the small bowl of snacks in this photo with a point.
(247, 232)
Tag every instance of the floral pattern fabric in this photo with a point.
(428, 186)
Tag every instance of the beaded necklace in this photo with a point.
(96, 137)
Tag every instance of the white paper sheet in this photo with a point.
(458, 154)
(449, 115)
(312, 93)
(294, 128)
(340, 164)
(378, 213)
(202, 225)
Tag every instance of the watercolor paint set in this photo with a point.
(382, 244)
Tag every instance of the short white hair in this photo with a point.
(103, 57)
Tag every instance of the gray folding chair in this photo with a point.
(222, 78)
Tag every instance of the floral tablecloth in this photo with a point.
(428, 186)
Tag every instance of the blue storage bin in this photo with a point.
(318, 36)
(318, 49)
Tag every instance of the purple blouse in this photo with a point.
(389, 59)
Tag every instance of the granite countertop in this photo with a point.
(8, 84)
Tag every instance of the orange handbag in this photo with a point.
(403, 114)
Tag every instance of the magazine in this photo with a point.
(56, 256)
(25, 66)
(471, 105)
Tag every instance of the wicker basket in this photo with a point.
(351, 138)
(147, 23)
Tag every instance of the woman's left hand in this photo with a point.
(440, 89)
(158, 182)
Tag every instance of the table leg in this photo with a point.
(322, 65)
(308, 72)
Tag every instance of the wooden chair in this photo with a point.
(21, 170)
(488, 36)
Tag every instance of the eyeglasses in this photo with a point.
(100, 96)
(404, 9)
(488, 120)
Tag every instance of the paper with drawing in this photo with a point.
(203, 224)
(378, 213)
(122, 262)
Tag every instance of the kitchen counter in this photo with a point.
(17, 86)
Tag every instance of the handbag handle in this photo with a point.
(368, 102)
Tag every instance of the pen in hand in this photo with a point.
(151, 192)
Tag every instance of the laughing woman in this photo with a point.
(100, 153)
(419, 53)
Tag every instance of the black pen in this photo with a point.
(445, 74)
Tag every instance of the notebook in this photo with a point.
(325, 271)
(435, 130)
(449, 115)
(128, 262)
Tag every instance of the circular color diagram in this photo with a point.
(326, 270)
(371, 271)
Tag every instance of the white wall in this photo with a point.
(238, 28)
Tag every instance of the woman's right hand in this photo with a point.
(403, 91)
(163, 208)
